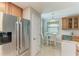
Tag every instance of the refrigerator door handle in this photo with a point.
(17, 36)
(20, 41)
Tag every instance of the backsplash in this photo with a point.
(69, 32)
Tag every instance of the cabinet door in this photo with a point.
(75, 23)
(19, 12)
(13, 9)
(8, 8)
(64, 23)
(70, 20)
(2, 7)
(78, 22)
(16, 10)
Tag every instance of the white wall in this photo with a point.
(35, 18)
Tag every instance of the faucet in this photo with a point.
(72, 33)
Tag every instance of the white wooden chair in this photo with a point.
(53, 39)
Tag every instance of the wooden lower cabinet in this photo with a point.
(10, 8)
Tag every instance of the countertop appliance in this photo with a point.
(14, 35)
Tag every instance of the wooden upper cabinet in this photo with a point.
(8, 9)
(76, 22)
(11, 9)
(70, 22)
(64, 23)
(2, 7)
(16, 10)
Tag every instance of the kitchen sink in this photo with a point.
(67, 37)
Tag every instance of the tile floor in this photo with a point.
(49, 51)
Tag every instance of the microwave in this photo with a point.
(5, 37)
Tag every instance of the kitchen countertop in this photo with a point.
(71, 41)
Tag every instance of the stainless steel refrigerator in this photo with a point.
(14, 34)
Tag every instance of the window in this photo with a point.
(53, 26)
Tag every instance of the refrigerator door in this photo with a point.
(24, 36)
(9, 25)
(21, 40)
(26, 33)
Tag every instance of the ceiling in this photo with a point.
(45, 7)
